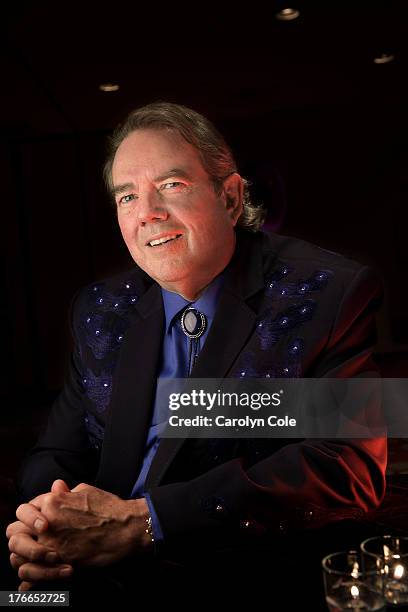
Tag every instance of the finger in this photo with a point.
(81, 487)
(60, 486)
(33, 572)
(32, 517)
(24, 545)
(17, 560)
(17, 527)
(25, 586)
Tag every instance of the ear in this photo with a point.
(233, 194)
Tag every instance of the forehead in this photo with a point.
(153, 151)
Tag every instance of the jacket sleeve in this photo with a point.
(63, 449)
(303, 484)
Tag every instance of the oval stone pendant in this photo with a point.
(193, 323)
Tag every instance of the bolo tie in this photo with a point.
(193, 324)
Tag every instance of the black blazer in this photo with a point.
(279, 293)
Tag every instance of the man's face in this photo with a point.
(175, 226)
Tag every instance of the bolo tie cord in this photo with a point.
(193, 350)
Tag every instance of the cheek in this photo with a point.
(126, 230)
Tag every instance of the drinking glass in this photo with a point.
(351, 584)
(393, 550)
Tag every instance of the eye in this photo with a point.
(172, 185)
(126, 199)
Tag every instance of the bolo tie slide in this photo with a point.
(193, 324)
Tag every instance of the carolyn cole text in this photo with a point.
(235, 422)
(207, 401)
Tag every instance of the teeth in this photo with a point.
(162, 240)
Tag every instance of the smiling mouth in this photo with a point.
(160, 241)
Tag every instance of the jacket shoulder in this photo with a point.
(303, 253)
(116, 293)
(106, 305)
(305, 259)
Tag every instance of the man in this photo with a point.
(100, 487)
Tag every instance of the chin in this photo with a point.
(171, 269)
(166, 276)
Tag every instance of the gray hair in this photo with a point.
(216, 156)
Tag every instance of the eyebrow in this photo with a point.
(116, 189)
(173, 172)
(120, 188)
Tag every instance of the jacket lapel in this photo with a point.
(132, 396)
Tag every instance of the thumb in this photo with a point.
(60, 486)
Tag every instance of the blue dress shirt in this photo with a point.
(170, 368)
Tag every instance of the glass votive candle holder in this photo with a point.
(394, 552)
(351, 584)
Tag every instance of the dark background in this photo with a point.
(317, 126)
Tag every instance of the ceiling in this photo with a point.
(229, 62)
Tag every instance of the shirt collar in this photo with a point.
(206, 303)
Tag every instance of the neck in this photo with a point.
(189, 293)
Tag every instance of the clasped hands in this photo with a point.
(85, 526)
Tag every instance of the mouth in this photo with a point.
(162, 240)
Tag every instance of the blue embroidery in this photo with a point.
(98, 388)
(102, 333)
(270, 331)
(250, 368)
(102, 328)
(117, 303)
(273, 283)
(316, 282)
(104, 323)
(296, 346)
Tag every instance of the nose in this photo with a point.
(151, 208)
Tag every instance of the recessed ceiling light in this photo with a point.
(287, 14)
(384, 58)
(109, 87)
